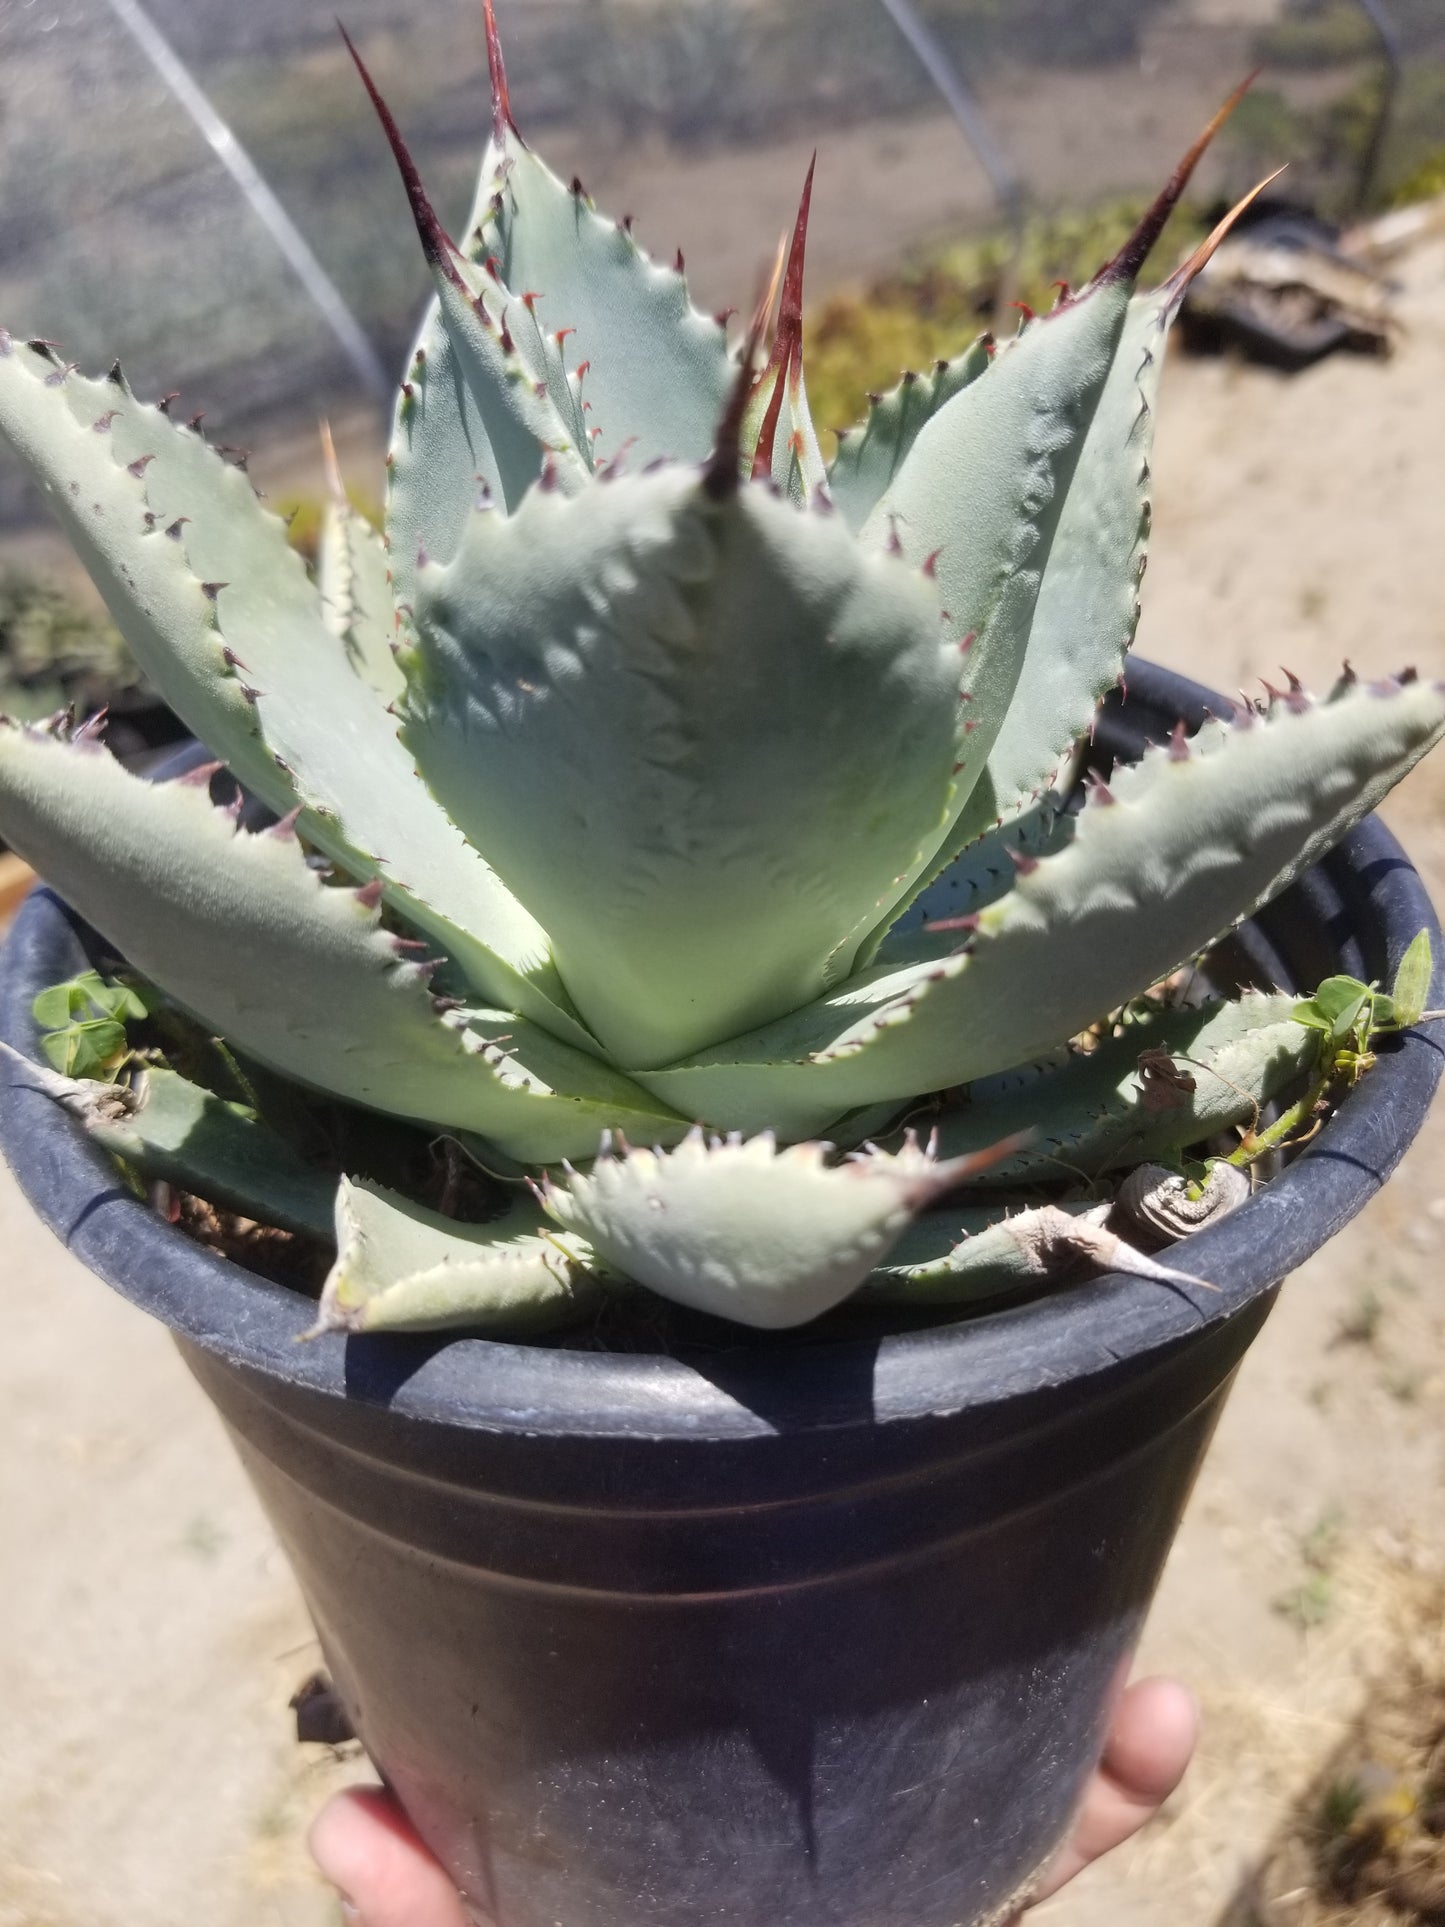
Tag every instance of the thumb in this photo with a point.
(366, 1848)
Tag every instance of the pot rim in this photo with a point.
(1109, 1327)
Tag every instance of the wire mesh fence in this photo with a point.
(123, 233)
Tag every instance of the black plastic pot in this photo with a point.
(773, 1636)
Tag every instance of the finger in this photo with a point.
(1150, 1745)
(367, 1850)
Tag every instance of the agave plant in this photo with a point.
(652, 781)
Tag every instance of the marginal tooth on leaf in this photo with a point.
(1026, 311)
(231, 659)
(211, 590)
(1179, 743)
(1099, 792)
(139, 465)
(198, 778)
(894, 544)
(368, 895)
(1024, 864)
(194, 423)
(101, 425)
(164, 404)
(89, 734)
(930, 564)
(173, 529)
(285, 828)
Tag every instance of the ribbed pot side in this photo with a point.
(780, 1679)
(770, 1637)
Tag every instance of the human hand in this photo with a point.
(366, 1849)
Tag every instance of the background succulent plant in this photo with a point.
(649, 781)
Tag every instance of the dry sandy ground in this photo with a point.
(150, 1636)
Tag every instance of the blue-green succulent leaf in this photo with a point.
(1167, 1079)
(983, 490)
(472, 414)
(697, 731)
(1180, 848)
(353, 580)
(969, 1258)
(400, 1267)
(870, 455)
(1087, 605)
(221, 615)
(745, 1231)
(165, 1127)
(658, 372)
(585, 345)
(243, 933)
(1088, 600)
(979, 876)
(1039, 466)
